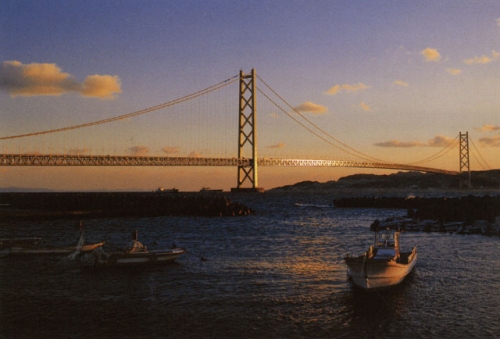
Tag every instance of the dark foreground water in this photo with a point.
(278, 274)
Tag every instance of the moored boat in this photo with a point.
(53, 250)
(134, 254)
(383, 265)
(33, 246)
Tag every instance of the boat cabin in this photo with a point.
(386, 245)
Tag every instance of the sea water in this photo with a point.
(276, 274)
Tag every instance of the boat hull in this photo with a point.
(377, 274)
(136, 259)
(53, 250)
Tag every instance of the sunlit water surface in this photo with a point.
(277, 274)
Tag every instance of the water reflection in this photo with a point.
(278, 274)
(379, 313)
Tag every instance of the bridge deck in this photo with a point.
(109, 160)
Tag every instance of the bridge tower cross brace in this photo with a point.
(247, 134)
(464, 158)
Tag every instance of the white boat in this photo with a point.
(383, 265)
(103, 259)
(134, 254)
(32, 246)
(53, 250)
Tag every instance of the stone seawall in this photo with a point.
(126, 204)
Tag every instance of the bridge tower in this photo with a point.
(464, 158)
(247, 135)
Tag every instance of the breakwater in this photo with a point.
(115, 204)
(466, 209)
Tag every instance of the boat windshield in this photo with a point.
(386, 239)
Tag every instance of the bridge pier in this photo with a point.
(247, 134)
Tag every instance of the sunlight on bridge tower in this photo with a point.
(464, 158)
(247, 134)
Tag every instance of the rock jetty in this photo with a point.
(467, 215)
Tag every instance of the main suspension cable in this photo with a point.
(133, 114)
(300, 123)
(444, 150)
(352, 150)
(487, 165)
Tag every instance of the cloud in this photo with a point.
(453, 71)
(194, 154)
(438, 141)
(484, 59)
(310, 107)
(488, 128)
(347, 88)
(397, 143)
(38, 79)
(431, 54)
(400, 83)
(100, 86)
(170, 150)
(478, 60)
(490, 142)
(278, 145)
(77, 151)
(365, 107)
(138, 150)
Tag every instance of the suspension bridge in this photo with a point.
(247, 160)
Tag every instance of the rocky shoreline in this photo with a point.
(123, 204)
(467, 215)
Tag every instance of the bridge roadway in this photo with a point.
(113, 160)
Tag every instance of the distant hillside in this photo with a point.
(412, 180)
(20, 189)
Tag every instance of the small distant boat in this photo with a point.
(304, 205)
(167, 190)
(394, 223)
(134, 254)
(383, 265)
(208, 189)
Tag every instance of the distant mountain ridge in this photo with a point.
(412, 180)
(402, 180)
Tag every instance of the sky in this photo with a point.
(392, 80)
